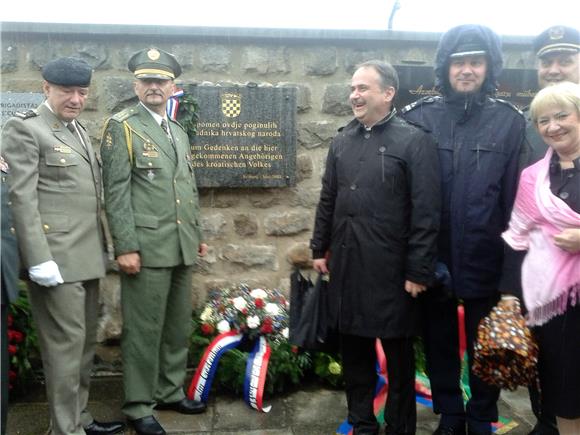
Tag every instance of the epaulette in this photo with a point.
(420, 102)
(416, 124)
(28, 114)
(124, 114)
(507, 103)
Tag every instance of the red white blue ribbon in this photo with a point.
(201, 382)
(256, 371)
(173, 104)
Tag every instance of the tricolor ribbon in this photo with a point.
(201, 382)
(256, 370)
(173, 104)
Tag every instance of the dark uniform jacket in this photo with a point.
(378, 216)
(151, 195)
(478, 140)
(55, 191)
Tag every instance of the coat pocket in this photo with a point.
(146, 221)
(57, 223)
(61, 168)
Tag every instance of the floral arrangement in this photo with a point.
(22, 344)
(252, 312)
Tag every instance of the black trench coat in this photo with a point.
(378, 216)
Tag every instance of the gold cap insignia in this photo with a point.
(556, 32)
(153, 54)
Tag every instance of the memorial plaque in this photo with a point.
(518, 86)
(246, 136)
(12, 102)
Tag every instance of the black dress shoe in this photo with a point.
(184, 406)
(147, 426)
(448, 430)
(104, 428)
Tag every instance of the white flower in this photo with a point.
(223, 326)
(272, 309)
(206, 314)
(239, 303)
(285, 333)
(259, 294)
(253, 322)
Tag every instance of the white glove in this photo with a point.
(46, 274)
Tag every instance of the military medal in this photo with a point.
(150, 150)
(151, 174)
(62, 149)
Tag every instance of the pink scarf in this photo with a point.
(550, 275)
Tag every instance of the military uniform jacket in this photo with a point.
(150, 190)
(9, 247)
(55, 192)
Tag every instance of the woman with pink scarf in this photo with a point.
(545, 222)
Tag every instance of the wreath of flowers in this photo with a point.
(183, 108)
(252, 312)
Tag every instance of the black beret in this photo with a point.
(557, 38)
(153, 63)
(68, 71)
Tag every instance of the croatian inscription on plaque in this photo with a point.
(12, 102)
(246, 136)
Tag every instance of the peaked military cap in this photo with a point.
(469, 44)
(153, 63)
(68, 71)
(557, 38)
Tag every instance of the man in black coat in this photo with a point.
(479, 140)
(375, 232)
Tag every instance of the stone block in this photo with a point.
(335, 100)
(215, 58)
(304, 167)
(245, 224)
(353, 57)
(303, 96)
(314, 134)
(118, 93)
(265, 60)
(320, 61)
(251, 255)
(299, 255)
(213, 225)
(9, 58)
(287, 223)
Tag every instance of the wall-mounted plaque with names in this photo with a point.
(246, 136)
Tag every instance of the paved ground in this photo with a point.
(313, 410)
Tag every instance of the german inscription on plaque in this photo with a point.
(12, 102)
(246, 136)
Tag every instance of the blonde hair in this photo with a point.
(564, 94)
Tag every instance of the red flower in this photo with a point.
(12, 349)
(294, 349)
(259, 303)
(207, 329)
(12, 375)
(15, 336)
(267, 321)
(245, 311)
(10, 320)
(266, 328)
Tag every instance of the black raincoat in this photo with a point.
(378, 216)
(478, 140)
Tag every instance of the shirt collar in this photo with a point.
(158, 118)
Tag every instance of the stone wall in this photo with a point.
(255, 235)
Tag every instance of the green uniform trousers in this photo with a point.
(157, 306)
(66, 324)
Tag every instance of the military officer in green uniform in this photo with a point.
(55, 191)
(153, 211)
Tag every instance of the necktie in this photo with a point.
(75, 133)
(165, 128)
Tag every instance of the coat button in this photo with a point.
(367, 135)
(177, 201)
(353, 186)
(178, 222)
(12, 230)
(46, 227)
(63, 160)
(564, 195)
(150, 163)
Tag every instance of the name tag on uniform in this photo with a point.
(64, 149)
